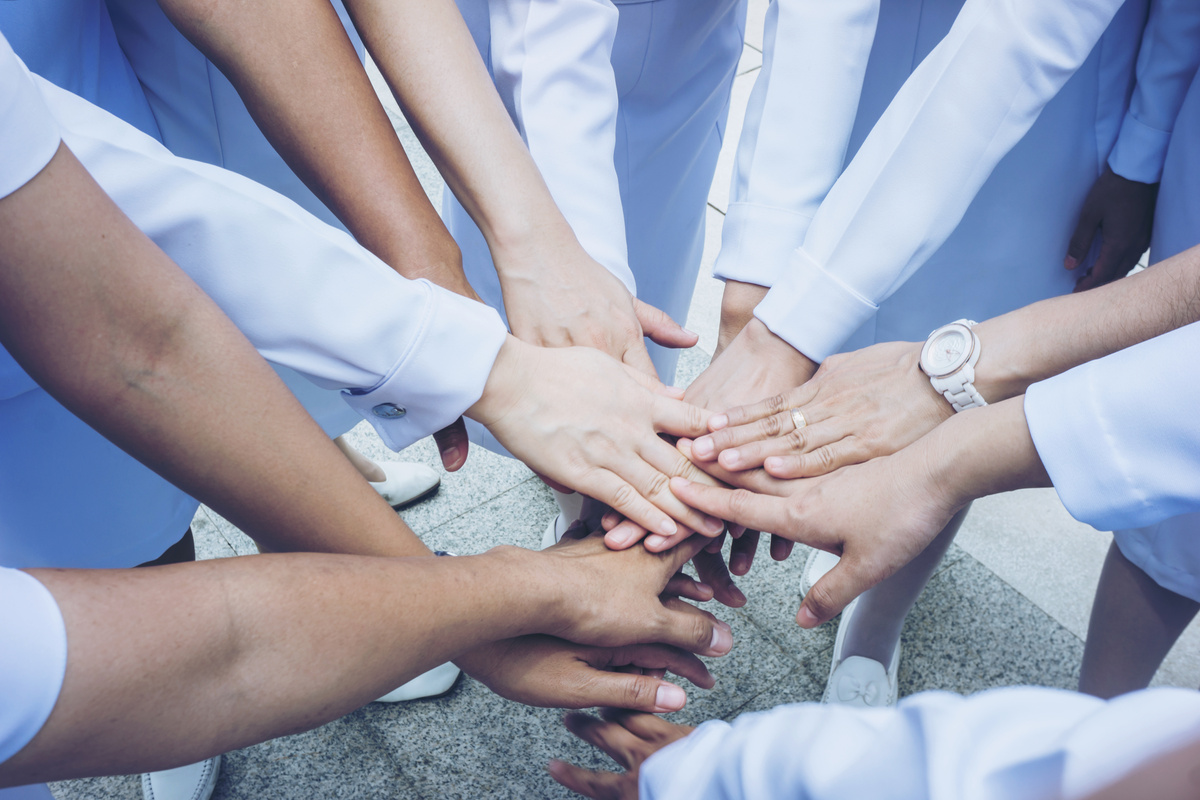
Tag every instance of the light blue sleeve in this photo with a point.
(1120, 436)
(1167, 61)
(33, 659)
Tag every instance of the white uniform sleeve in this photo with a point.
(906, 189)
(796, 133)
(1167, 61)
(28, 134)
(412, 356)
(552, 65)
(33, 659)
(1005, 744)
(1120, 436)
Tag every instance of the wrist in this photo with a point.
(787, 362)
(737, 309)
(998, 373)
(504, 385)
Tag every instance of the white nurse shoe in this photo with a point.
(434, 683)
(191, 782)
(406, 483)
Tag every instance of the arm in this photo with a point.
(873, 402)
(1006, 743)
(136, 636)
(985, 83)
(1121, 204)
(301, 80)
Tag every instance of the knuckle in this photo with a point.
(770, 426)
(776, 403)
(795, 441)
(640, 692)
(658, 485)
(622, 496)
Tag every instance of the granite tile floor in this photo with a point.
(1009, 606)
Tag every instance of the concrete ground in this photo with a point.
(1009, 605)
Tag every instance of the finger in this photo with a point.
(755, 480)
(610, 520)
(638, 357)
(614, 739)
(661, 544)
(589, 783)
(692, 629)
(820, 461)
(687, 586)
(756, 511)
(1081, 237)
(832, 593)
(452, 444)
(716, 545)
(771, 406)
(741, 553)
(627, 533)
(712, 570)
(647, 727)
(781, 548)
(753, 454)
(626, 500)
(679, 418)
(659, 328)
(666, 462)
(772, 426)
(639, 692)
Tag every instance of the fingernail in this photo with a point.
(806, 618)
(619, 540)
(702, 447)
(1070, 262)
(690, 332)
(680, 483)
(669, 696)
(668, 527)
(773, 462)
(737, 565)
(655, 541)
(722, 639)
(730, 458)
(717, 421)
(713, 525)
(738, 597)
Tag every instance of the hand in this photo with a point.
(880, 514)
(592, 424)
(619, 597)
(628, 738)
(561, 297)
(756, 364)
(858, 406)
(548, 672)
(453, 444)
(1122, 211)
(738, 302)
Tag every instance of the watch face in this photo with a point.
(947, 351)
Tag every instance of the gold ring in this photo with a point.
(798, 418)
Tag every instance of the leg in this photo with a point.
(881, 610)
(1134, 624)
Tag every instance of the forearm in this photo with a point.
(262, 645)
(429, 60)
(1049, 337)
(110, 327)
(298, 74)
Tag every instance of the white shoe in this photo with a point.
(858, 681)
(193, 782)
(406, 483)
(816, 566)
(434, 683)
(554, 531)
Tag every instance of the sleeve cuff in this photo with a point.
(29, 136)
(33, 660)
(1140, 151)
(440, 376)
(812, 310)
(757, 243)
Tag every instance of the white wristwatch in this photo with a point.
(949, 358)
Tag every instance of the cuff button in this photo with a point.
(389, 411)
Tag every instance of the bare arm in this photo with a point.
(298, 74)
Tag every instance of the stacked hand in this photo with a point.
(858, 406)
(617, 611)
(628, 738)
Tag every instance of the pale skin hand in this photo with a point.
(858, 406)
(1121, 212)
(880, 514)
(541, 403)
(628, 738)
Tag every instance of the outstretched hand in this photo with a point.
(628, 738)
(544, 406)
(858, 406)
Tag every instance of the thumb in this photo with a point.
(832, 593)
(637, 692)
(660, 328)
(453, 444)
(1081, 237)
